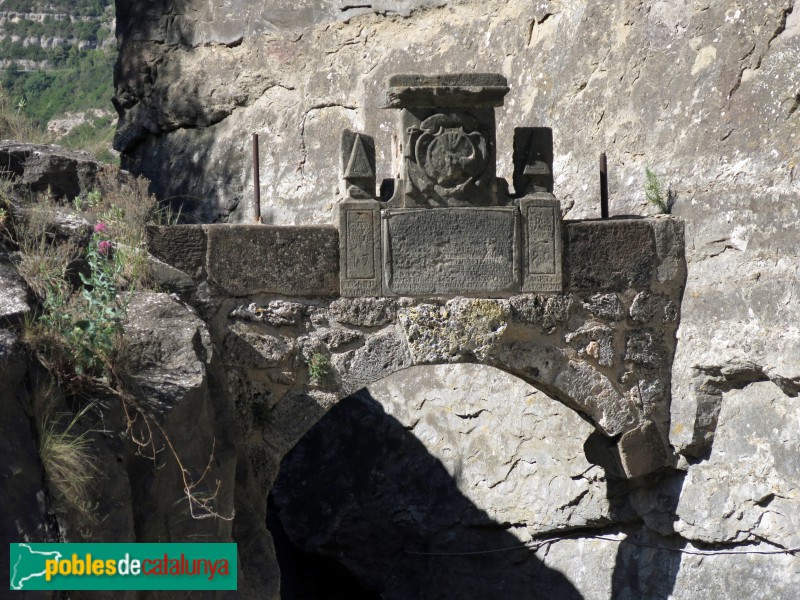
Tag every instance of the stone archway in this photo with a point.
(603, 346)
(292, 348)
(414, 483)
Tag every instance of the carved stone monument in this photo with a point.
(451, 226)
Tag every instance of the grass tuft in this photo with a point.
(66, 454)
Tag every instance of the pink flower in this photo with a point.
(103, 246)
(100, 227)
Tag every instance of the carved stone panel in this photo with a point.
(359, 248)
(450, 251)
(450, 158)
(541, 219)
(357, 165)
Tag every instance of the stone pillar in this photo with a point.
(541, 211)
(360, 266)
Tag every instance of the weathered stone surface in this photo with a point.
(256, 259)
(181, 246)
(605, 306)
(608, 255)
(169, 279)
(644, 347)
(594, 394)
(547, 311)
(380, 356)
(23, 500)
(255, 348)
(363, 312)
(166, 360)
(741, 329)
(648, 307)
(452, 250)
(336, 337)
(13, 293)
(499, 445)
(461, 329)
(39, 167)
(595, 341)
(748, 488)
(637, 563)
(275, 312)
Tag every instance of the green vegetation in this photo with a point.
(83, 81)
(85, 31)
(78, 328)
(83, 8)
(69, 80)
(318, 366)
(655, 193)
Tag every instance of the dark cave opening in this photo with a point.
(306, 576)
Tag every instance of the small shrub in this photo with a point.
(655, 193)
(318, 366)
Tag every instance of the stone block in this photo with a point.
(605, 306)
(450, 251)
(448, 90)
(180, 246)
(642, 450)
(547, 311)
(645, 347)
(363, 312)
(541, 218)
(610, 255)
(256, 259)
(360, 267)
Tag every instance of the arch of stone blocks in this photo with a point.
(292, 346)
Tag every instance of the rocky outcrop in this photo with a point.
(43, 167)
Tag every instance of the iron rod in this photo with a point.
(256, 182)
(603, 186)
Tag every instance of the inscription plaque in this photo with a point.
(451, 250)
(359, 248)
(542, 225)
(360, 245)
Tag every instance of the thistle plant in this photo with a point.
(78, 331)
(94, 335)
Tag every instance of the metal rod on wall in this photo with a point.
(256, 182)
(603, 186)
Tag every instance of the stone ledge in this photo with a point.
(181, 246)
(616, 254)
(253, 259)
(599, 256)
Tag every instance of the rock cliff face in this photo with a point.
(704, 93)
